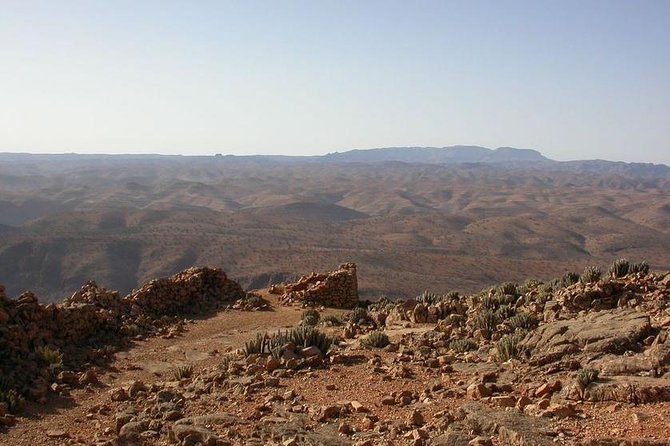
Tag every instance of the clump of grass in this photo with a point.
(620, 268)
(508, 289)
(428, 298)
(310, 317)
(591, 274)
(505, 312)
(487, 320)
(568, 279)
(490, 302)
(358, 315)
(640, 267)
(463, 345)
(376, 339)
(508, 348)
(183, 372)
(586, 376)
(49, 357)
(305, 336)
(522, 321)
(14, 401)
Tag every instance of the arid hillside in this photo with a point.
(410, 226)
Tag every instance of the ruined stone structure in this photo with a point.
(338, 289)
(93, 317)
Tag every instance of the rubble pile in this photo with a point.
(84, 325)
(338, 289)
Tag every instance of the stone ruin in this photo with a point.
(337, 289)
(83, 326)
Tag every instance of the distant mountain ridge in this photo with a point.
(22, 165)
(439, 155)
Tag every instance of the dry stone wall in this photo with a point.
(94, 317)
(337, 289)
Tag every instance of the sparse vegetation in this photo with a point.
(508, 348)
(591, 274)
(522, 321)
(305, 336)
(508, 289)
(639, 268)
(310, 317)
(463, 345)
(14, 401)
(505, 312)
(428, 298)
(620, 268)
(183, 372)
(376, 339)
(358, 315)
(568, 279)
(487, 320)
(586, 377)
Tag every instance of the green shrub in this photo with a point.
(358, 315)
(452, 295)
(505, 312)
(50, 357)
(428, 298)
(586, 377)
(305, 336)
(183, 372)
(490, 302)
(376, 339)
(463, 345)
(620, 268)
(522, 321)
(640, 267)
(591, 274)
(14, 401)
(568, 279)
(487, 320)
(508, 289)
(310, 317)
(508, 347)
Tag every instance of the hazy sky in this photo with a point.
(573, 79)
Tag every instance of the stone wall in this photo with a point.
(337, 289)
(95, 317)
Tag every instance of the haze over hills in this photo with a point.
(412, 218)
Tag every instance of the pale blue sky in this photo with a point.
(573, 79)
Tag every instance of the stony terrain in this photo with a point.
(583, 359)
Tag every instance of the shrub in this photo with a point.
(568, 279)
(376, 339)
(620, 268)
(522, 321)
(505, 312)
(591, 274)
(305, 336)
(452, 295)
(487, 320)
(310, 317)
(463, 345)
(586, 377)
(50, 357)
(508, 347)
(428, 298)
(641, 267)
(508, 289)
(490, 302)
(183, 372)
(358, 315)
(14, 401)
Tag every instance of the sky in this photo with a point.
(574, 79)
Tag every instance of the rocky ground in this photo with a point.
(570, 362)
